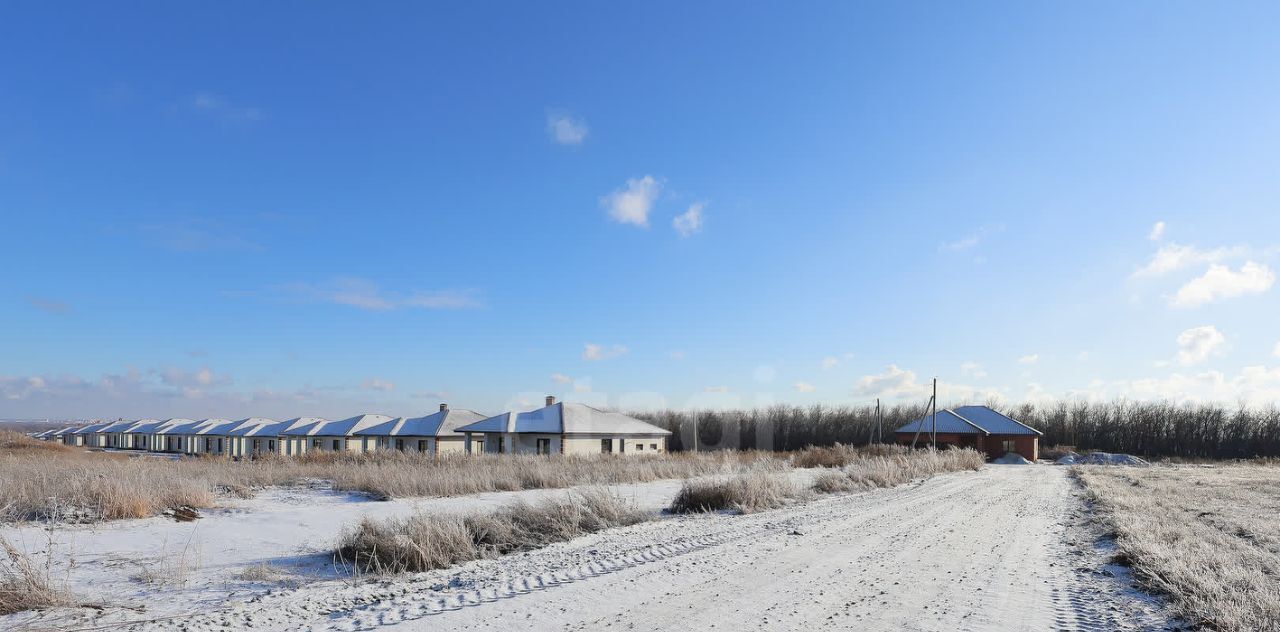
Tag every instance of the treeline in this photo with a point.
(1150, 429)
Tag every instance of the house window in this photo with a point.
(219, 444)
(257, 445)
(1009, 445)
(653, 446)
(422, 445)
(271, 445)
(317, 444)
(400, 445)
(639, 447)
(544, 446)
(368, 443)
(336, 445)
(502, 445)
(606, 446)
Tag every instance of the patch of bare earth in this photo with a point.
(1207, 537)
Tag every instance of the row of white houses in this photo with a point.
(557, 428)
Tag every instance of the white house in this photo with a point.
(567, 428)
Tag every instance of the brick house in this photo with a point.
(977, 427)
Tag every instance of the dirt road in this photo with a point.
(993, 550)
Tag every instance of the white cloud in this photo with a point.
(690, 221)
(830, 362)
(561, 378)
(1253, 385)
(565, 129)
(805, 387)
(594, 352)
(893, 382)
(378, 384)
(973, 370)
(715, 389)
(1221, 282)
(632, 204)
(202, 377)
(1157, 232)
(1276, 352)
(1173, 257)
(1196, 344)
(365, 294)
(1030, 358)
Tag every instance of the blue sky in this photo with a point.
(322, 209)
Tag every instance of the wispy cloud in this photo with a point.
(378, 384)
(715, 389)
(365, 294)
(195, 234)
(218, 106)
(565, 129)
(1196, 344)
(1030, 358)
(973, 370)
(1157, 232)
(48, 305)
(594, 352)
(971, 240)
(1221, 282)
(689, 222)
(804, 387)
(561, 378)
(632, 204)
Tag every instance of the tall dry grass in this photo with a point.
(747, 492)
(26, 583)
(890, 468)
(424, 542)
(1206, 537)
(79, 485)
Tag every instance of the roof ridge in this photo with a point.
(966, 420)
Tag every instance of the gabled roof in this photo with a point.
(222, 427)
(350, 425)
(970, 420)
(61, 431)
(565, 418)
(442, 423)
(995, 422)
(171, 426)
(246, 427)
(116, 426)
(89, 429)
(303, 426)
(145, 426)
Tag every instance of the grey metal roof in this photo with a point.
(970, 420)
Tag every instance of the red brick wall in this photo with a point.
(993, 446)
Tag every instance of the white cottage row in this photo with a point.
(557, 428)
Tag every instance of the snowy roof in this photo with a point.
(349, 426)
(222, 427)
(444, 422)
(188, 427)
(91, 428)
(116, 426)
(171, 426)
(565, 418)
(970, 420)
(62, 431)
(303, 426)
(246, 427)
(145, 426)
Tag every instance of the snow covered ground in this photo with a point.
(1000, 549)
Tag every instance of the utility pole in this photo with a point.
(879, 419)
(934, 400)
(695, 431)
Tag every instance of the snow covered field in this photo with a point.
(1000, 549)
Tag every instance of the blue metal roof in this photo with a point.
(994, 422)
(970, 420)
(948, 423)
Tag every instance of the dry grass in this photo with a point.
(1206, 537)
(896, 467)
(260, 572)
(424, 542)
(27, 584)
(748, 492)
(80, 485)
